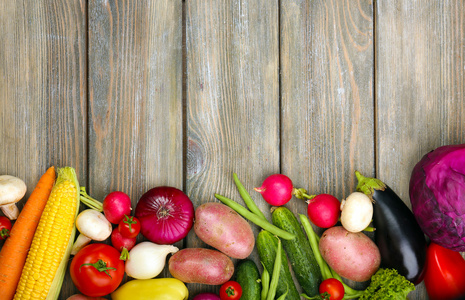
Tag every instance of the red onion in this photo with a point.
(206, 296)
(166, 215)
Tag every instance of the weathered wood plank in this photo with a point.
(42, 90)
(135, 96)
(232, 100)
(327, 94)
(420, 86)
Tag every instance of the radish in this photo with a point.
(122, 244)
(278, 189)
(116, 205)
(323, 210)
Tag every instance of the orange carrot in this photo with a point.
(14, 252)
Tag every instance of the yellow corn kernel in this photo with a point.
(50, 246)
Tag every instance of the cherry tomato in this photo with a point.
(333, 287)
(230, 290)
(445, 269)
(5, 227)
(96, 270)
(129, 226)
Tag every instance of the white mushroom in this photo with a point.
(356, 212)
(12, 189)
(92, 225)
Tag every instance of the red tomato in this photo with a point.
(333, 287)
(230, 290)
(129, 227)
(444, 278)
(5, 227)
(96, 270)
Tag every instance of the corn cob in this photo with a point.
(46, 263)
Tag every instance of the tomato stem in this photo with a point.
(101, 266)
(129, 220)
(230, 291)
(4, 233)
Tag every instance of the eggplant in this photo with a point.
(401, 242)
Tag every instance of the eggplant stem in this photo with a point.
(368, 185)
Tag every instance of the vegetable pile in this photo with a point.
(370, 237)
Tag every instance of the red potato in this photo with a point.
(352, 255)
(201, 265)
(224, 229)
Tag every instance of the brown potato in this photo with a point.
(224, 229)
(201, 265)
(352, 255)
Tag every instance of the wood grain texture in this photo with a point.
(420, 86)
(327, 95)
(135, 96)
(232, 100)
(42, 90)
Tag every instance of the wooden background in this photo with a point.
(136, 94)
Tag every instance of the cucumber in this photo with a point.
(248, 276)
(299, 251)
(267, 244)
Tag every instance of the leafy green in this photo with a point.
(388, 284)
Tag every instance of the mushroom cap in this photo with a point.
(12, 189)
(93, 224)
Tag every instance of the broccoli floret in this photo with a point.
(387, 284)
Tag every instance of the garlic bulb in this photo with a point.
(147, 260)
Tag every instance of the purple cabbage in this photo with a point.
(437, 195)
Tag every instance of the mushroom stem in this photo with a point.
(10, 211)
(80, 242)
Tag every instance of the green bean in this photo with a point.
(247, 199)
(326, 270)
(275, 275)
(265, 224)
(313, 239)
(283, 296)
(265, 282)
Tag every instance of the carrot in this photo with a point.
(14, 252)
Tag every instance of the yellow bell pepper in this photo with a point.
(151, 289)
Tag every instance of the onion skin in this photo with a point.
(166, 215)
